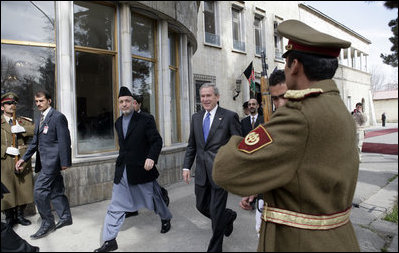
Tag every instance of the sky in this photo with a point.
(369, 19)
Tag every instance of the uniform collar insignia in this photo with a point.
(301, 94)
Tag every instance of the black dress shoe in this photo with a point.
(130, 214)
(63, 223)
(108, 246)
(229, 227)
(43, 231)
(24, 222)
(165, 226)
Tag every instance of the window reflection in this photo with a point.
(142, 36)
(143, 80)
(94, 25)
(174, 87)
(26, 70)
(28, 21)
(143, 60)
(94, 102)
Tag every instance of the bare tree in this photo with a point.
(378, 79)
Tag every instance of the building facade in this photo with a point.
(232, 34)
(83, 52)
(386, 102)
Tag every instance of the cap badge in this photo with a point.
(288, 47)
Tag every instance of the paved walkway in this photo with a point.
(376, 191)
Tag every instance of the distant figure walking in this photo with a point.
(383, 118)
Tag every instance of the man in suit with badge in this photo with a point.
(253, 120)
(304, 160)
(211, 128)
(15, 133)
(135, 185)
(52, 145)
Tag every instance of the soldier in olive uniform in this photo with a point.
(19, 183)
(304, 160)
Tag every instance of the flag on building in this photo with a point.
(250, 75)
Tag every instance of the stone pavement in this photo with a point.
(376, 192)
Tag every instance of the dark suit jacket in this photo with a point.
(246, 126)
(54, 147)
(225, 124)
(142, 141)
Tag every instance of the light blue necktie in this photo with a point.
(206, 125)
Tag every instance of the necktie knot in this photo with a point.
(10, 122)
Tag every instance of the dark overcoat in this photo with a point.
(142, 141)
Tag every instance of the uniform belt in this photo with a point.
(305, 221)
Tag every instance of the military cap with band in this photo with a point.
(9, 97)
(303, 38)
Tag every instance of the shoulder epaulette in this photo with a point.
(26, 118)
(301, 94)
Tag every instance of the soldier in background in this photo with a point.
(19, 183)
(360, 119)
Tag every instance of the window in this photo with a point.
(174, 87)
(211, 23)
(258, 27)
(28, 52)
(278, 42)
(95, 56)
(200, 80)
(238, 36)
(144, 61)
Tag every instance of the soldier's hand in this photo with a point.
(64, 167)
(18, 165)
(17, 129)
(149, 163)
(186, 176)
(245, 202)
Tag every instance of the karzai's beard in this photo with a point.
(127, 112)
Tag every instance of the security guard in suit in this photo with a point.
(305, 159)
(19, 183)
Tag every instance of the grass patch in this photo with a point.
(393, 216)
(392, 178)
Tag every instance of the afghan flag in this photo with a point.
(250, 75)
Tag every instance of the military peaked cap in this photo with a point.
(9, 97)
(304, 38)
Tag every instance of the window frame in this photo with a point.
(152, 60)
(115, 81)
(176, 87)
(238, 45)
(216, 24)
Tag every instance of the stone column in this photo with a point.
(125, 54)
(355, 60)
(184, 87)
(349, 58)
(66, 100)
(164, 85)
